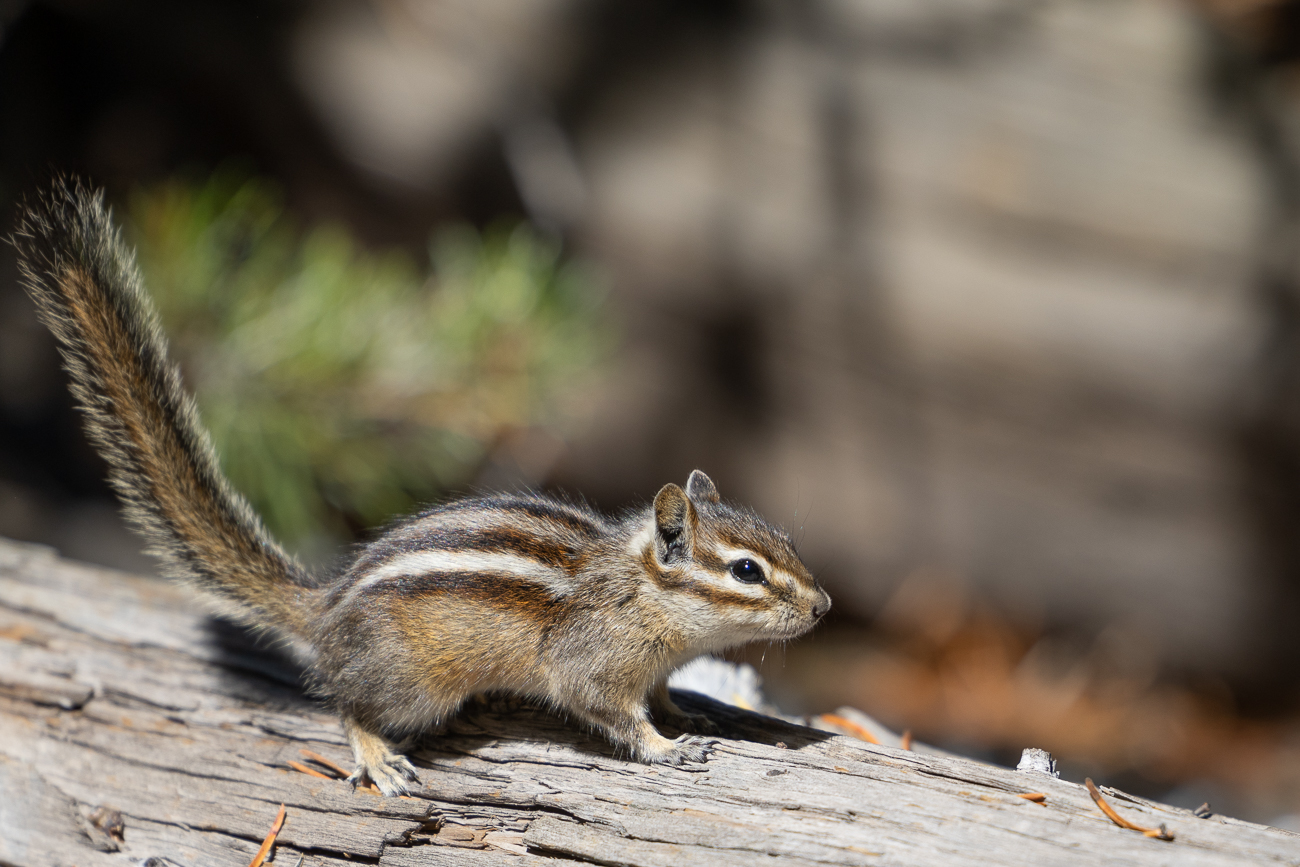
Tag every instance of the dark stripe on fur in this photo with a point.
(722, 598)
(547, 509)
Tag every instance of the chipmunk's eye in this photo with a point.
(747, 571)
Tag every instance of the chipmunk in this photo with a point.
(525, 594)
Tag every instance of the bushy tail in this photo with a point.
(162, 464)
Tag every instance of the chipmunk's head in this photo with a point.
(735, 577)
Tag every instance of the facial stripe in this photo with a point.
(712, 594)
(712, 561)
(731, 555)
(783, 586)
(650, 565)
(702, 582)
(780, 557)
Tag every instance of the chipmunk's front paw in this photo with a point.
(655, 749)
(390, 774)
(688, 748)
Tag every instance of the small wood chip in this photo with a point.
(507, 841)
(303, 769)
(1160, 833)
(462, 837)
(324, 762)
(1036, 797)
(265, 850)
(849, 726)
(905, 742)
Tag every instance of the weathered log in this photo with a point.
(118, 693)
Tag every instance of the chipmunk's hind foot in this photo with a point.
(378, 761)
(655, 749)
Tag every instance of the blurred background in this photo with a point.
(994, 303)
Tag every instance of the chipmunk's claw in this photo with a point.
(690, 748)
(378, 760)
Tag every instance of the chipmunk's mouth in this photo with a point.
(793, 627)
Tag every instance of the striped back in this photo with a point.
(527, 538)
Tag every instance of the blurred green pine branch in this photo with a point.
(342, 386)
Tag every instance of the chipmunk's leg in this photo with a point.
(666, 711)
(377, 760)
(626, 722)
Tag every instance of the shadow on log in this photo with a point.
(132, 731)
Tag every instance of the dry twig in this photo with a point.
(265, 850)
(303, 769)
(1160, 833)
(324, 762)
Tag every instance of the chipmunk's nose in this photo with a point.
(822, 605)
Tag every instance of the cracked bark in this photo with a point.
(119, 692)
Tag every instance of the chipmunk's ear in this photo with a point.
(674, 524)
(701, 489)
